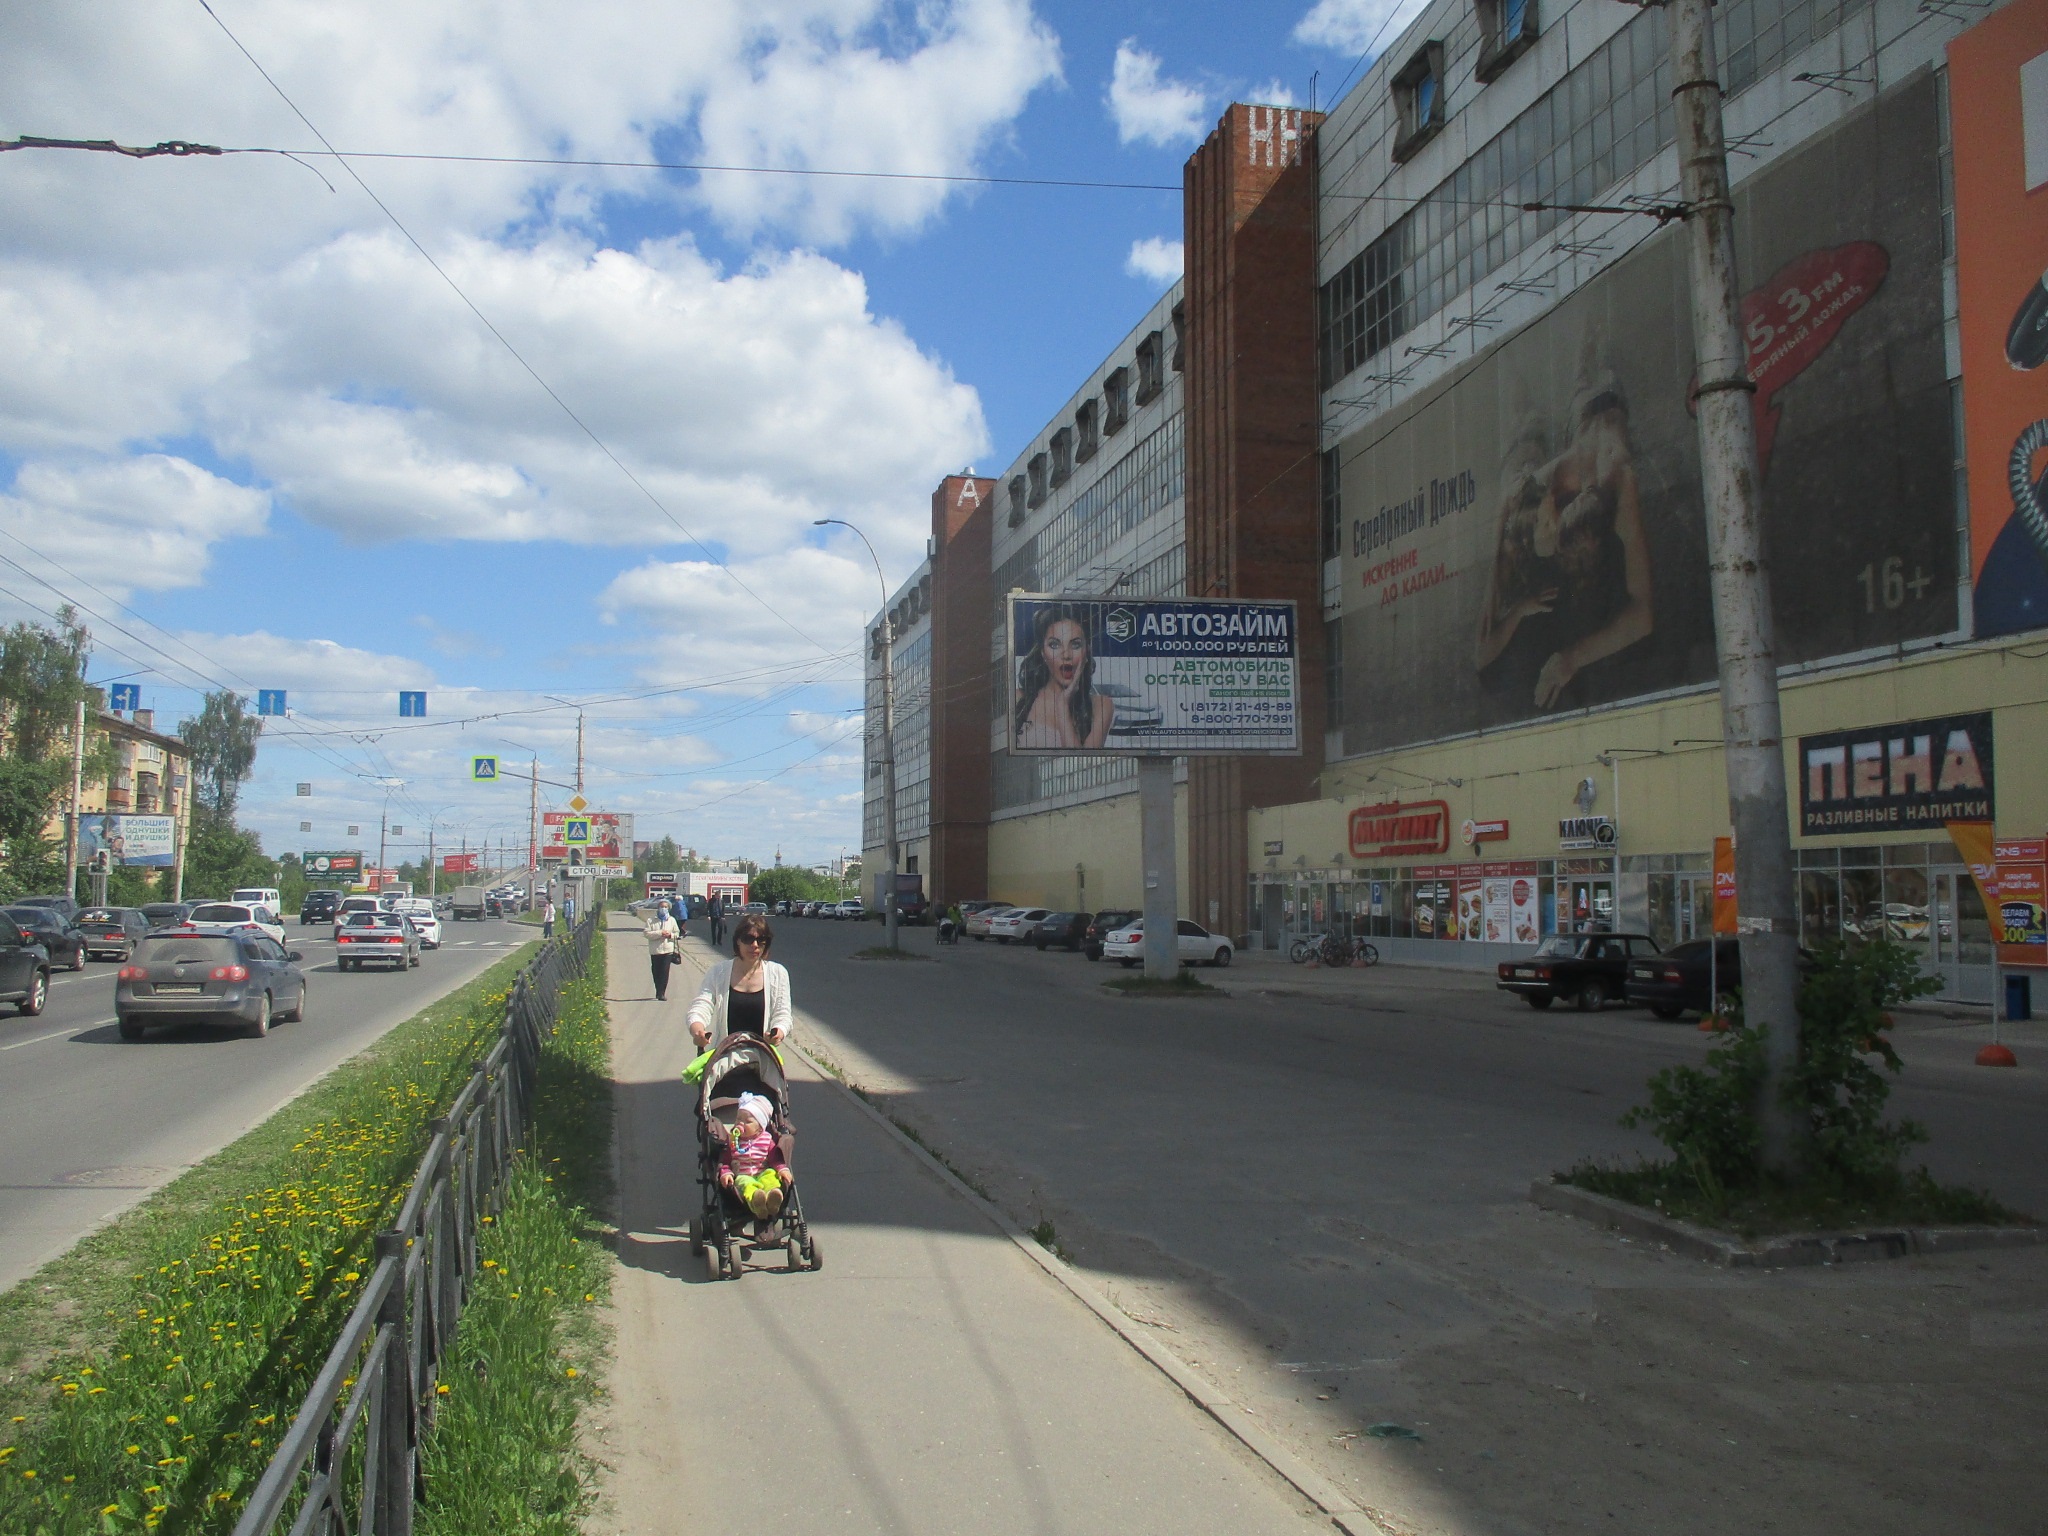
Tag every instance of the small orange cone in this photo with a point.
(1995, 1055)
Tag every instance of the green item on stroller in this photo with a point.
(694, 1072)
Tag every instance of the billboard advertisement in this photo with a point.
(1998, 116)
(1148, 676)
(585, 837)
(459, 863)
(147, 842)
(1891, 778)
(1526, 537)
(344, 866)
(2022, 928)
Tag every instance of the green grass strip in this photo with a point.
(147, 1375)
(503, 1457)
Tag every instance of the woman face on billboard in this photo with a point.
(1057, 703)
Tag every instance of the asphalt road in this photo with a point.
(90, 1123)
(1316, 1189)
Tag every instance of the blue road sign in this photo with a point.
(576, 829)
(125, 696)
(270, 701)
(412, 703)
(484, 769)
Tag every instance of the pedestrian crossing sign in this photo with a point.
(576, 829)
(484, 770)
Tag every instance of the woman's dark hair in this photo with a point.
(1033, 674)
(750, 925)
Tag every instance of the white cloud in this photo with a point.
(685, 611)
(1356, 26)
(145, 522)
(1274, 93)
(1148, 108)
(1156, 260)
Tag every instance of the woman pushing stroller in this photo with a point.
(746, 995)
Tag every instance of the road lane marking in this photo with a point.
(57, 1034)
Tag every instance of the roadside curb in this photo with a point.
(1789, 1251)
(1337, 1505)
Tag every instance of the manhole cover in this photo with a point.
(131, 1176)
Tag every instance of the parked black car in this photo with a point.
(1069, 930)
(1102, 925)
(166, 914)
(1590, 969)
(111, 931)
(54, 932)
(1680, 978)
(319, 907)
(176, 978)
(24, 969)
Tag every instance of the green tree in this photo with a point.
(42, 683)
(661, 855)
(222, 856)
(222, 741)
(788, 883)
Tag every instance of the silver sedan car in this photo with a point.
(377, 938)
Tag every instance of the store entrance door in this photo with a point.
(1960, 938)
(1589, 904)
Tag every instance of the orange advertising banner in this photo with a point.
(1724, 885)
(1975, 841)
(2019, 923)
(1998, 111)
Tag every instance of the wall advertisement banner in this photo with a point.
(587, 836)
(1524, 919)
(1725, 907)
(1998, 119)
(1526, 536)
(1129, 676)
(147, 842)
(332, 865)
(1917, 773)
(2022, 931)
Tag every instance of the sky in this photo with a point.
(543, 440)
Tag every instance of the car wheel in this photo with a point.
(1538, 1000)
(38, 994)
(262, 1025)
(298, 1013)
(1592, 996)
(1223, 955)
(131, 1029)
(1039, 945)
(1665, 1010)
(1127, 964)
(78, 960)
(1094, 954)
(979, 937)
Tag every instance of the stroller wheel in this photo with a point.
(732, 1261)
(814, 1254)
(792, 1254)
(714, 1266)
(696, 1235)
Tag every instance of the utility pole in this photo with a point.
(430, 860)
(1751, 730)
(532, 827)
(77, 788)
(579, 752)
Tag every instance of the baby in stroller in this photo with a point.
(745, 1140)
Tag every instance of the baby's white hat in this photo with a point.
(757, 1106)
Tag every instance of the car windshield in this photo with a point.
(222, 912)
(374, 920)
(186, 949)
(1561, 946)
(102, 915)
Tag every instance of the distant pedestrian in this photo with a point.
(569, 910)
(547, 917)
(664, 939)
(717, 908)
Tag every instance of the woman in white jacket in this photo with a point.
(746, 995)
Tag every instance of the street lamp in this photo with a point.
(889, 899)
(384, 821)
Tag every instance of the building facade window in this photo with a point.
(1419, 100)
(1116, 401)
(1062, 455)
(1507, 28)
(1087, 430)
(1151, 368)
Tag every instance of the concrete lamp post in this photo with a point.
(889, 893)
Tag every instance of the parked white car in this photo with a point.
(424, 919)
(978, 921)
(1198, 946)
(234, 917)
(1015, 922)
(850, 910)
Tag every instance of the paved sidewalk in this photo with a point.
(931, 1378)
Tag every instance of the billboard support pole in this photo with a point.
(1162, 878)
(77, 789)
(1751, 730)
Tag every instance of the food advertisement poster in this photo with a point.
(1146, 676)
(1525, 537)
(1998, 116)
(1525, 923)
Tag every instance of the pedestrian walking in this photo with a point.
(547, 917)
(746, 995)
(569, 910)
(664, 941)
(717, 909)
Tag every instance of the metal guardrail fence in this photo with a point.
(359, 1429)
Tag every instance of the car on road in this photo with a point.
(849, 910)
(111, 932)
(53, 930)
(233, 917)
(1197, 945)
(1016, 922)
(63, 904)
(167, 914)
(1103, 925)
(265, 896)
(377, 938)
(421, 912)
(469, 904)
(351, 905)
(1686, 976)
(984, 914)
(1069, 930)
(319, 907)
(24, 968)
(1590, 969)
(179, 977)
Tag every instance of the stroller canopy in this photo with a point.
(744, 1064)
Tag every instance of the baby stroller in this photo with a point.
(744, 1064)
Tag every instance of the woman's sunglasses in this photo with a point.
(751, 938)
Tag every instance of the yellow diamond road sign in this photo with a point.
(578, 803)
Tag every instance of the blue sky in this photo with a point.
(250, 430)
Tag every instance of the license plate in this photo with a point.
(163, 991)
(1524, 970)
(1644, 973)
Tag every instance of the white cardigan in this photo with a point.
(709, 1006)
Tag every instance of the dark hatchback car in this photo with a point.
(1590, 969)
(177, 978)
(1685, 976)
(111, 932)
(167, 914)
(1102, 925)
(319, 907)
(24, 969)
(1069, 930)
(54, 932)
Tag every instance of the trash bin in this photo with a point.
(2019, 997)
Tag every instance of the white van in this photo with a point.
(261, 896)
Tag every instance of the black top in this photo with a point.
(746, 1013)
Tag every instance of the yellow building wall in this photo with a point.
(1673, 785)
(1032, 860)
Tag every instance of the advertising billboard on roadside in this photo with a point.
(585, 837)
(147, 842)
(1150, 676)
(1526, 537)
(345, 866)
(1998, 118)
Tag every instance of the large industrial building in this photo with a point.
(1408, 386)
